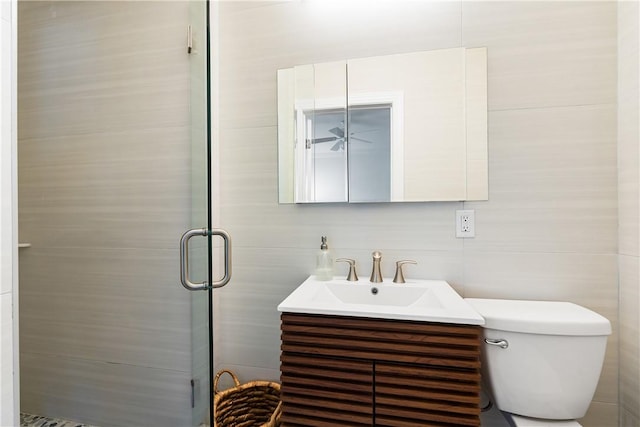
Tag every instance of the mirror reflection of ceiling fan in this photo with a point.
(339, 138)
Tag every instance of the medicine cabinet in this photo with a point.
(395, 128)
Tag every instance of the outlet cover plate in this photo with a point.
(465, 223)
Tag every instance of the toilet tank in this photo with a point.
(550, 361)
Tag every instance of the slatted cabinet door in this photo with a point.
(321, 391)
(418, 395)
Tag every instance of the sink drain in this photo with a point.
(374, 290)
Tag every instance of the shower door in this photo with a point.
(198, 246)
(113, 169)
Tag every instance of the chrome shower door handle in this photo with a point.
(184, 260)
(227, 257)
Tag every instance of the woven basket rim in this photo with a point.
(236, 389)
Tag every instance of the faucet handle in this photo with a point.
(352, 276)
(399, 277)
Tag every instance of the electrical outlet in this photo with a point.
(465, 223)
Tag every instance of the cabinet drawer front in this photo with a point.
(318, 391)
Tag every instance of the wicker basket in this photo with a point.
(254, 404)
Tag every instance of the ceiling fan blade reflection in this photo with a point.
(325, 139)
(338, 145)
(337, 131)
(362, 140)
(366, 130)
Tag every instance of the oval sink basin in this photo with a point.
(420, 300)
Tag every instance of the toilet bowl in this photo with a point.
(541, 360)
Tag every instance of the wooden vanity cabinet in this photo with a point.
(349, 371)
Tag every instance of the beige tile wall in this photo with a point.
(549, 230)
(104, 189)
(629, 209)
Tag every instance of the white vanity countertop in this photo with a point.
(417, 300)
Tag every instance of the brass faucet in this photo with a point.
(376, 274)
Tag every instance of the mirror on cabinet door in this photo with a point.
(405, 127)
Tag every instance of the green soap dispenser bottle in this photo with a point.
(324, 262)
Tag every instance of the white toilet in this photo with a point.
(541, 360)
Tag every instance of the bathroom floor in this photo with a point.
(491, 418)
(28, 420)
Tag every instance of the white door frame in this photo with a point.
(9, 359)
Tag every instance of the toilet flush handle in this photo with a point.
(497, 342)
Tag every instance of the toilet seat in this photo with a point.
(519, 421)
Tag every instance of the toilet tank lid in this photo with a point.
(540, 317)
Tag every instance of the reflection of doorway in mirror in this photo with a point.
(369, 153)
(325, 155)
(358, 149)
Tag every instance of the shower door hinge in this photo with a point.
(195, 392)
(189, 39)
